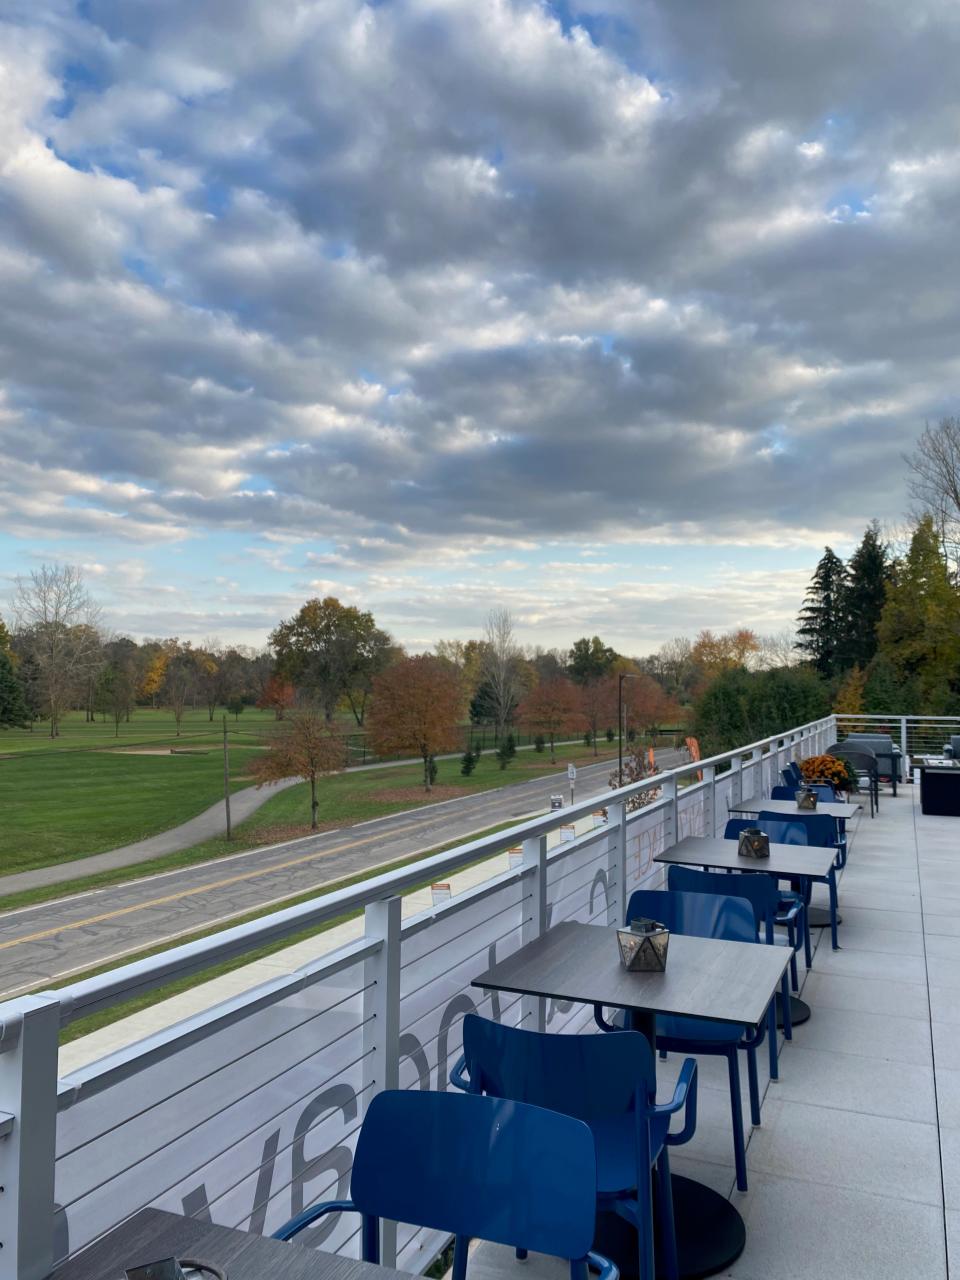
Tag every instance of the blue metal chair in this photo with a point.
(824, 790)
(800, 893)
(704, 915)
(611, 1085)
(791, 775)
(763, 894)
(483, 1168)
(818, 829)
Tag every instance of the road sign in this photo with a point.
(572, 772)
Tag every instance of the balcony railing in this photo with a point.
(249, 1110)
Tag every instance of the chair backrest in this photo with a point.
(878, 742)
(791, 774)
(588, 1077)
(760, 891)
(820, 828)
(862, 758)
(823, 789)
(781, 830)
(699, 915)
(485, 1168)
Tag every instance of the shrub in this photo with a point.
(468, 762)
(539, 742)
(829, 769)
(588, 739)
(610, 735)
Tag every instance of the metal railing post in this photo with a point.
(671, 817)
(903, 748)
(381, 1034)
(616, 862)
(710, 776)
(533, 1009)
(28, 1099)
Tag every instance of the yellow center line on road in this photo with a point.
(205, 888)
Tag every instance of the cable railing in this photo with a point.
(247, 1110)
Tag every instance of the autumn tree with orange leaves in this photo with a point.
(278, 696)
(415, 706)
(307, 748)
(553, 707)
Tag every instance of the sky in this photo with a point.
(613, 313)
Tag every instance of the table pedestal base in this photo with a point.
(799, 1011)
(710, 1233)
(819, 917)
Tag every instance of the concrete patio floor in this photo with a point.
(855, 1171)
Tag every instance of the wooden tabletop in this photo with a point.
(789, 807)
(704, 977)
(784, 860)
(153, 1234)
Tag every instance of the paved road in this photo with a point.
(53, 940)
(205, 826)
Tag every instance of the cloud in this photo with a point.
(393, 283)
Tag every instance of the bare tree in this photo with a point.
(778, 649)
(501, 666)
(60, 625)
(935, 485)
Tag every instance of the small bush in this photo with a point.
(610, 735)
(539, 742)
(468, 762)
(588, 739)
(631, 735)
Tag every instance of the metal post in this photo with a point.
(710, 775)
(903, 748)
(616, 863)
(381, 1034)
(28, 1099)
(226, 778)
(624, 675)
(736, 786)
(533, 1009)
(671, 824)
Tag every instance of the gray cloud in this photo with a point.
(421, 272)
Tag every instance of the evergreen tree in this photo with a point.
(13, 708)
(6, 645)
(882, 694)
(868, 575)
(30, 684)
(920, 625)
(823, 622)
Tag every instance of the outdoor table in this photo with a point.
(153, 1234)
(704, 978)
(792, 861)
(790, 808)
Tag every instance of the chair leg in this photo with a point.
(807, 946)
(772, 1039)
(460, 1247)
(668, 1237)
(739, 1152)
(792, 939)
(521, 1255)
(753, 1082)
(370, 1238)
(579, 1270)
(787, 1010)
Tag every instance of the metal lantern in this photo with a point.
(753, 843)
(643, 946)
(806, 798)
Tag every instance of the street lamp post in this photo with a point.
(624, 675)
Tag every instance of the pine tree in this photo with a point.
(6, 645)
(30, 683)
(823, 621)
(13, 708)
(920, 625)
(868, 575)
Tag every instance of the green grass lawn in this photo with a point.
(146, 726)
(344, 799)
(56, 807)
